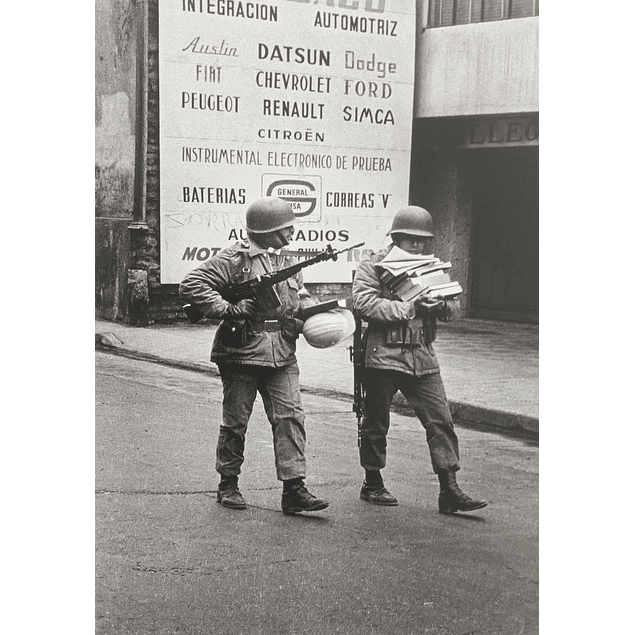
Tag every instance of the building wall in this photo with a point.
(476, 106)
(145, 244)
(441, 182)
(478, 69)
(164, 303)
(115, 131)
(482, 191)
(475, 70)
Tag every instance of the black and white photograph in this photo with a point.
(316, 364)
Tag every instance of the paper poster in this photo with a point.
(309, 101)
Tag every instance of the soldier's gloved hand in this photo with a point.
(442, 302)
(291, 329)
(241, 310)
(307, 302)
(425, 304)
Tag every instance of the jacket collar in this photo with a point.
(253, 250)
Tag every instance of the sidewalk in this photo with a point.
(490, 368)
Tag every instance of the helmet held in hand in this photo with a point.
(329, 328)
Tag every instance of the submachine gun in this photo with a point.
(262, 287)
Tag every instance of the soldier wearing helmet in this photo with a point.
(399, 356)
(254, 357)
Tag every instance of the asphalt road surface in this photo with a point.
(170, 560)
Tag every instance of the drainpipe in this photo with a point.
(138, 292)
(141, 144)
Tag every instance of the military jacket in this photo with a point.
(397, 338)
(243, 261)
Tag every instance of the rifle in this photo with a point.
(261, 287)
(357, 353)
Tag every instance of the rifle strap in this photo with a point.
(267, 257)
(246, 268)
(363, 336)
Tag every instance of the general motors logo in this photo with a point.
(303, 194)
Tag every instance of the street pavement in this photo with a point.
(490, 368)
(170, 560)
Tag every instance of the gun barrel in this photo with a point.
(341, 251)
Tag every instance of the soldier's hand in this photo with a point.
(291, 329)
(307, 301)
(425, 304)
(441, 300)
(241, 310)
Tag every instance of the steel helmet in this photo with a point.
(269, 214)
(328, 328)
(412, 220)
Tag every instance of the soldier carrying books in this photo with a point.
(399, 356)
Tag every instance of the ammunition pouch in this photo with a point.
(400, 335)
(235, 333)
(429, 333)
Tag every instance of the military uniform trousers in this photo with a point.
(426, 395)
(280, 392)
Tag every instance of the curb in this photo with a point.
(515, 422)
(469, 414)
(104, 342)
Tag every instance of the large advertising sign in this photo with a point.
(307, 100)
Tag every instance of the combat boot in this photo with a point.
(377, 495)
(452, 499)
(296, 498)
(228, 493)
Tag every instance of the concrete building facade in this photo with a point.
(474, 159)
(475, 148)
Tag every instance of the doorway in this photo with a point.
(504, 243)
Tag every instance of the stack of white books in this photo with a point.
(408, 275)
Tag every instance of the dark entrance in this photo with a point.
(504, 245)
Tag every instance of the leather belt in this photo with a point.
(271, 326)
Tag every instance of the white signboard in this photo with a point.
(309, 101)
